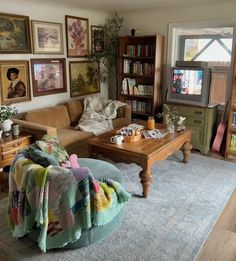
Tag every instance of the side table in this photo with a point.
(9, 147)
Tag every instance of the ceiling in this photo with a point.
(125, 5)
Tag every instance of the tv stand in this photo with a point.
(202, 122)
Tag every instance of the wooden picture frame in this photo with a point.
(14, 34)
(84, 78)
(77, 36)
(48, 76)
(14, 83)
(97, 39)
(47, 37)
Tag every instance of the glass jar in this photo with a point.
(151, 123)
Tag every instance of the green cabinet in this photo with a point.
(201, 121)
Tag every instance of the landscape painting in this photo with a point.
(14, 34)
(47, 37)
(84, 78)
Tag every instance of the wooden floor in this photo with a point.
(221, 241)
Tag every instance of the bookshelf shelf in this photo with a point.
(140, 73)
(230, 151)
(126, 75)
(137, 96)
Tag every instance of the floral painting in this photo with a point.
(14, 34)
(77, 32)
(84, 78)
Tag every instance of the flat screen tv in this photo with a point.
(189, 83)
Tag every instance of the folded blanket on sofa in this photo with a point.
(60, 201)
(98, 114)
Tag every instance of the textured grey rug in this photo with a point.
(171, 224)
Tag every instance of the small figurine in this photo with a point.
(133, 32)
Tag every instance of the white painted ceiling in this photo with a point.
(123, 5)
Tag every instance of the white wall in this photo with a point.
(44, 11)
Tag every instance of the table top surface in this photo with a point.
(143, 146)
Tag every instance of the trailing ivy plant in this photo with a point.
(109, 57)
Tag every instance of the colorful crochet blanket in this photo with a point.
(60, 201)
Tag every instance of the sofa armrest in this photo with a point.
(125, 112)
(36, 129)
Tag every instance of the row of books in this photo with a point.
(140, 106)
(129, 87)
(233, 142)
(138, 68)
(234, 119)
(140, 50)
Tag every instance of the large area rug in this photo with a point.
(171, 224)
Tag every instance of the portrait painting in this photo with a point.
(14, 34)
(84, 78)
(77, 36)
(97, 39)
(48, 76)
(15, 85)
(47, 37)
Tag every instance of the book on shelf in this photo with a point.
(140, 106)
(125, 87)
(234, 119)
(140, 50)
(233, 142)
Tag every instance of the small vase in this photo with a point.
(171, 127)
(6, 125)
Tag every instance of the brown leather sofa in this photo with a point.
(59, 121)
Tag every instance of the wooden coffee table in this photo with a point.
(144, 152)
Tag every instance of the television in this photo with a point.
(189, 83)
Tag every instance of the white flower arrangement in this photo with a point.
(6, 112)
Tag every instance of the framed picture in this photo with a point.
(15, 85)
(77, 36)
(14, 34)
(48, 76)
(97, 39)
(84, 78)
(47, 37)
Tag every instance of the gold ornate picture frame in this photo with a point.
(15, 84)
(14, 34)
(84, 78)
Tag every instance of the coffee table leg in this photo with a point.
(186, 151)
(146, 180)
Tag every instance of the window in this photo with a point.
(191, 42)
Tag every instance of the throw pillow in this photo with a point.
(41, 158)
(52, 147)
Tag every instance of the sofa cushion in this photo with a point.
(75, 110)
(71, 136)
(56, 116)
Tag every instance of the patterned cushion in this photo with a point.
(41, 157)
(52, 147)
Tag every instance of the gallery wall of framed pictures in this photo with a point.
(44, 76)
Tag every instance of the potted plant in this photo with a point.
(109, 57)
(6, 112)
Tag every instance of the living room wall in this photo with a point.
(46, 11)
(156, 20)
